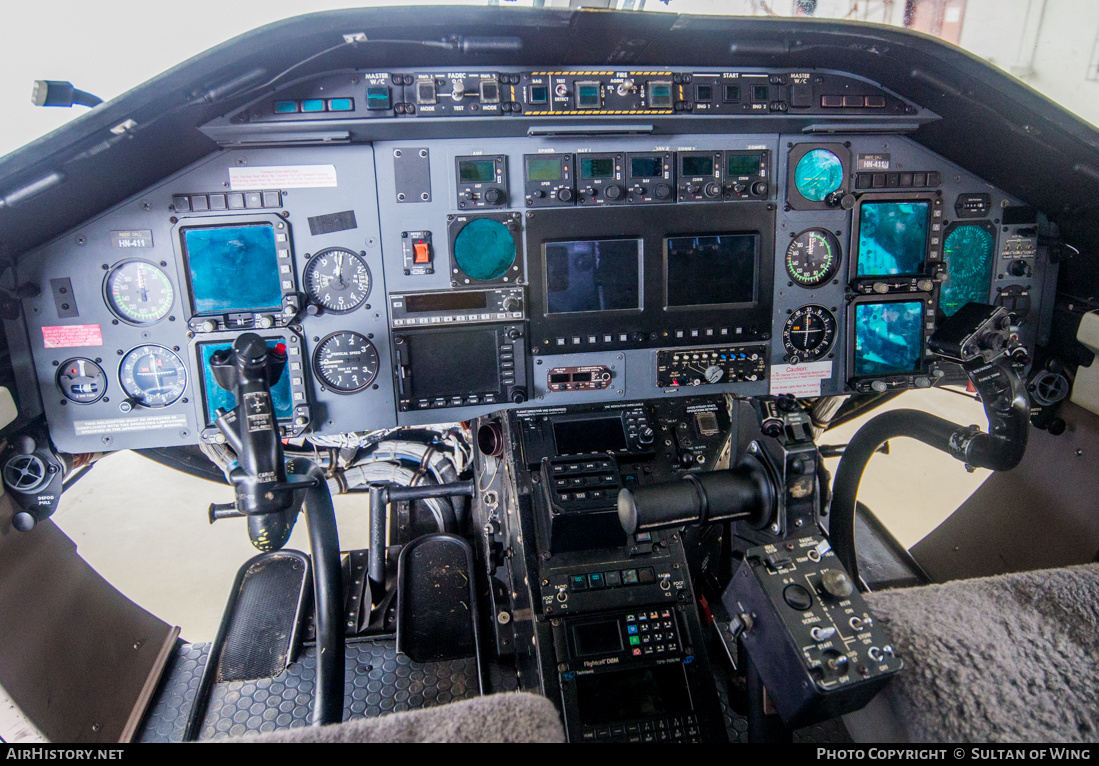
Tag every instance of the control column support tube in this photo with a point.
(324, 546)
(381, 495)
(1001, 449)
(744, 492)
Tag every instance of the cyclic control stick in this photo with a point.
(267, 496)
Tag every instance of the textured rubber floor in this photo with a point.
(378, 680)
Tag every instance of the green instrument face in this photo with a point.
(968, 253)
(484, 249)
(818, 174)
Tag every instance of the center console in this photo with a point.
(614, 629)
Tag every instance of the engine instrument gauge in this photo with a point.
(809, 334)
(338, 280)
(346, 362)
(138, 292)
(152, 376)
(968, 254)
(813, 257)
(818, 174)
(82, 381)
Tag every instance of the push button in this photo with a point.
(578, 582)
(797, 597)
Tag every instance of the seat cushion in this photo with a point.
(515, 717)
(1000, 659)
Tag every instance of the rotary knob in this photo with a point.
(511, 303)
(759, 188)
(712, 190)
(837, 583)
(565, 195)
(613, 191)
(662, 191)
(493, 197)
(646, 435)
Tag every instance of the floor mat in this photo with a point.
(378, 680)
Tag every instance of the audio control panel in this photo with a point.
(711, 365)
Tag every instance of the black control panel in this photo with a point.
(818, 648)
(710, 365)
(633, 676)
(622, 637)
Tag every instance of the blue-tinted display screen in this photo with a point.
(888, 337)
(233, 268)
(216, 396)
(892, 238)
(603, 275)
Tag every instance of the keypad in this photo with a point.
(651, 632)
(682, 728)
(584, 484)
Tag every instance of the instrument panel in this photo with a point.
(419, 276)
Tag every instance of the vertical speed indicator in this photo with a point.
(346, 362)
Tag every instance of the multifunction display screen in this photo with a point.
(892, 238)
(888, 337)
(451, 363)
(576, 437)
(593, 275)
(232, 269)
(217, 397)
(712, 270)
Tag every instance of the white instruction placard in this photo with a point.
(799, 379)
(282, 177)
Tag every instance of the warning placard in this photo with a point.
(72, 335)
(123, 425)
(282, 177)
(799, 379)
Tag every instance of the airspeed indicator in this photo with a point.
(813, 257)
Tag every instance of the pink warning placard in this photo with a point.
(72, 335)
